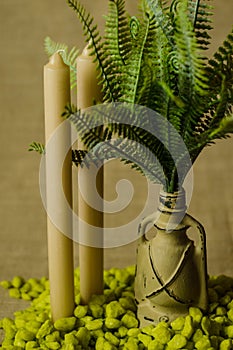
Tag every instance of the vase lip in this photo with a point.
(174, 201)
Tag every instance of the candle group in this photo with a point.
(60, 244)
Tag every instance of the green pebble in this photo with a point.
(122, 331)
(26, 288)
(155, 345)
(77, 298)
(7, 322)
(133, 332)
(230, 314)
(24, 334)
(123, 276)
(26, 296)
(33, 294)
(220, 319)
(214, 341)
(128, 304)
(97, 333)
(94, 325)
(188, 329)
(221, 310)
(31, 345)
(83, 336)
(196, 314)
(212, 295)
(112, 338)
(53, 345)
(206, 325)
(20, 322)
(148, 329)
(203, 343)
(17, 281)
(114, 309)
(65, 324)
(112, 323)
(132, 344)
(42, 317)
(87, 319)
(45, 329)
(98, 299)
(10, 332)
(212, 307)
(161, 334)
(229, 331)
(129, 321)
(33, 326)
(100, 343)
(80, 311)
(70, 338)
(113, 284)
(5, 284)
(189, 345)
(54, 336)
(145, 339)
(230, 304)
(20, 343)
(7, 343)
(198, 334)
(178, 324)
(14, 293)
(225, 299)
(96, 310)
(226, 344)
(178, 341)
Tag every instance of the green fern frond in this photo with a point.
(162, 18)
(132, 71)
(200, 15)
(192, 82)
(37, 147)
(95, 43)
(78, 157)
(117, 44)
(130, 152)
(69, 57)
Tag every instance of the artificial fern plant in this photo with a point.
(158, 60)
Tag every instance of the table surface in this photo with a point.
(23, 249)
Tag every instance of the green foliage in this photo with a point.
(36, 146)
(158, 60)
(69, 57)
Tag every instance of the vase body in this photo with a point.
(171, 272)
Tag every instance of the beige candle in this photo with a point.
(90, 258)
(60, 247)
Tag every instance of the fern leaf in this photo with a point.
(78, 157)
(93, 37)
(37, 147)
(117, 45)
(162, 18)
(192, 81)
(132, 153)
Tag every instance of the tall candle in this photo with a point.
(90, 257)
(60, 246)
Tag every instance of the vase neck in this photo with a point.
(172, 202)
(172, 209)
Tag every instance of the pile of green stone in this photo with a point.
(109, 321)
